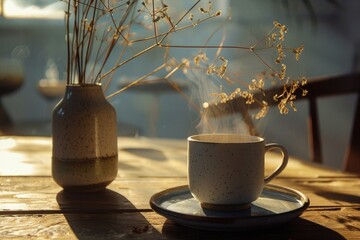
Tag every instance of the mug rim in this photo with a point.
(245, 138)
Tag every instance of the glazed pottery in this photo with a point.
(84, 133)
(226, 171)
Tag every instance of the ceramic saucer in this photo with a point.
(276, 205)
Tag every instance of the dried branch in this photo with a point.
(97, 30)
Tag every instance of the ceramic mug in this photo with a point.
(226, 171)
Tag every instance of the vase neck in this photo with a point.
(88, 91)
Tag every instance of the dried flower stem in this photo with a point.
(138, 80)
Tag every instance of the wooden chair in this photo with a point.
(320, 87)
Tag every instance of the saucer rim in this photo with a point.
(228, 223)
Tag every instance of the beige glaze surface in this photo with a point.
(84, 138)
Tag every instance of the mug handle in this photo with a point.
(285, 155)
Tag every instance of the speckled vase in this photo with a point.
(84, 133)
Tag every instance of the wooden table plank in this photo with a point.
(334, 224)
(31, 156)
(77, 226)
(20, 194)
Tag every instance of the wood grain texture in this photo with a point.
(329, 224)
(42, 194)
(138, 157)
(78, 226)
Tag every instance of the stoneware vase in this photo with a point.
(84, 133)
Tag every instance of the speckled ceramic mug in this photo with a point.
(226, 171)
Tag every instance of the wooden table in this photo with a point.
(32, 206)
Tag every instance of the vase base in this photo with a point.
(85, 175)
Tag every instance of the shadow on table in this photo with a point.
(298, 229)
(148, 153)
(104, 215)
(340, 197)
(333, 190)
